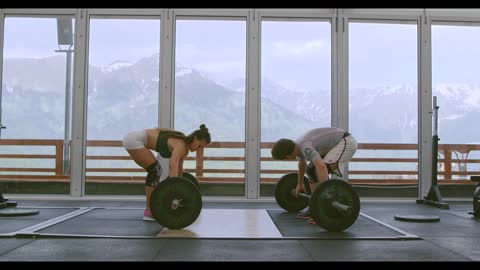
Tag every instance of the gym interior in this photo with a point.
(401, 81)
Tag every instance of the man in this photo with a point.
(327, 150)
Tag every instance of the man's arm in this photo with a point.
(320, 169)
(301, 171)
(320, 166)
(301, 174)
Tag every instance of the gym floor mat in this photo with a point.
(95, 222)
(212, 223)
(9, 225)
(365, 227)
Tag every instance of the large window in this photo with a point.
(210, 68)
(456, 84)
(123, 86)
(295, 87)
(35, 105)
(383, 100)
(377, 68)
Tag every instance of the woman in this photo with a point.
(170, 144)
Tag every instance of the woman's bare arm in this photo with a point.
(176, 160)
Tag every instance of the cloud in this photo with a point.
(214, 62)
(223, 67)
(299, 48)
(27, 52)
(187, 51)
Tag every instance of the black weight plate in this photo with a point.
(329, 217)
(190, 203)
(417, 218)
(283, 193)
(192, 178)
(476, 202)
(11, 203)
(15, 212)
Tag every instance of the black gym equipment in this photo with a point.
(434, 198)
(334, 205)
(417, 218)
(192, 178)
(283, 193)
(8, 209)
(16, 212)
(476, 198)
(175, 202)
(7, 202)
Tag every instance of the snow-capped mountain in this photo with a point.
(124, 96)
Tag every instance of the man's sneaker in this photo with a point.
(147, 215)
(305, 214)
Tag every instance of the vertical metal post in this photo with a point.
(1, 126)
(167, 78)
(68, 105)
(65, 37)
(435, 116)
(2, 20)
(434, 198)
(167, 70)
(252, 107)
(2, 25)
(335, 65)
(435, 142)
(424, 106)
(341, 101)
(79, 105)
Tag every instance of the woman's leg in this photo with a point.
(144, 157)
(134, 142)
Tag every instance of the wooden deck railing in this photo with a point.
(215, 168)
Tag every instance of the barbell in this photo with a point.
(334, 205)
(176, 202)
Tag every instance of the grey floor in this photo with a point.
(455, 238)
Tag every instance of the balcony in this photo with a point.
(214, 168)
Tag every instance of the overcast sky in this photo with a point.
(294, 54)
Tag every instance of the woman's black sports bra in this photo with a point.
(162, 146)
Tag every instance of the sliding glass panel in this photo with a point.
(456, 84)
(383, 109)
(123, 87)
(295, 88)
(35, 105)
(210, 68)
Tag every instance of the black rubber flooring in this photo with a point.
(290, 225)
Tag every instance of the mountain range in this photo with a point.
(124, 96)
